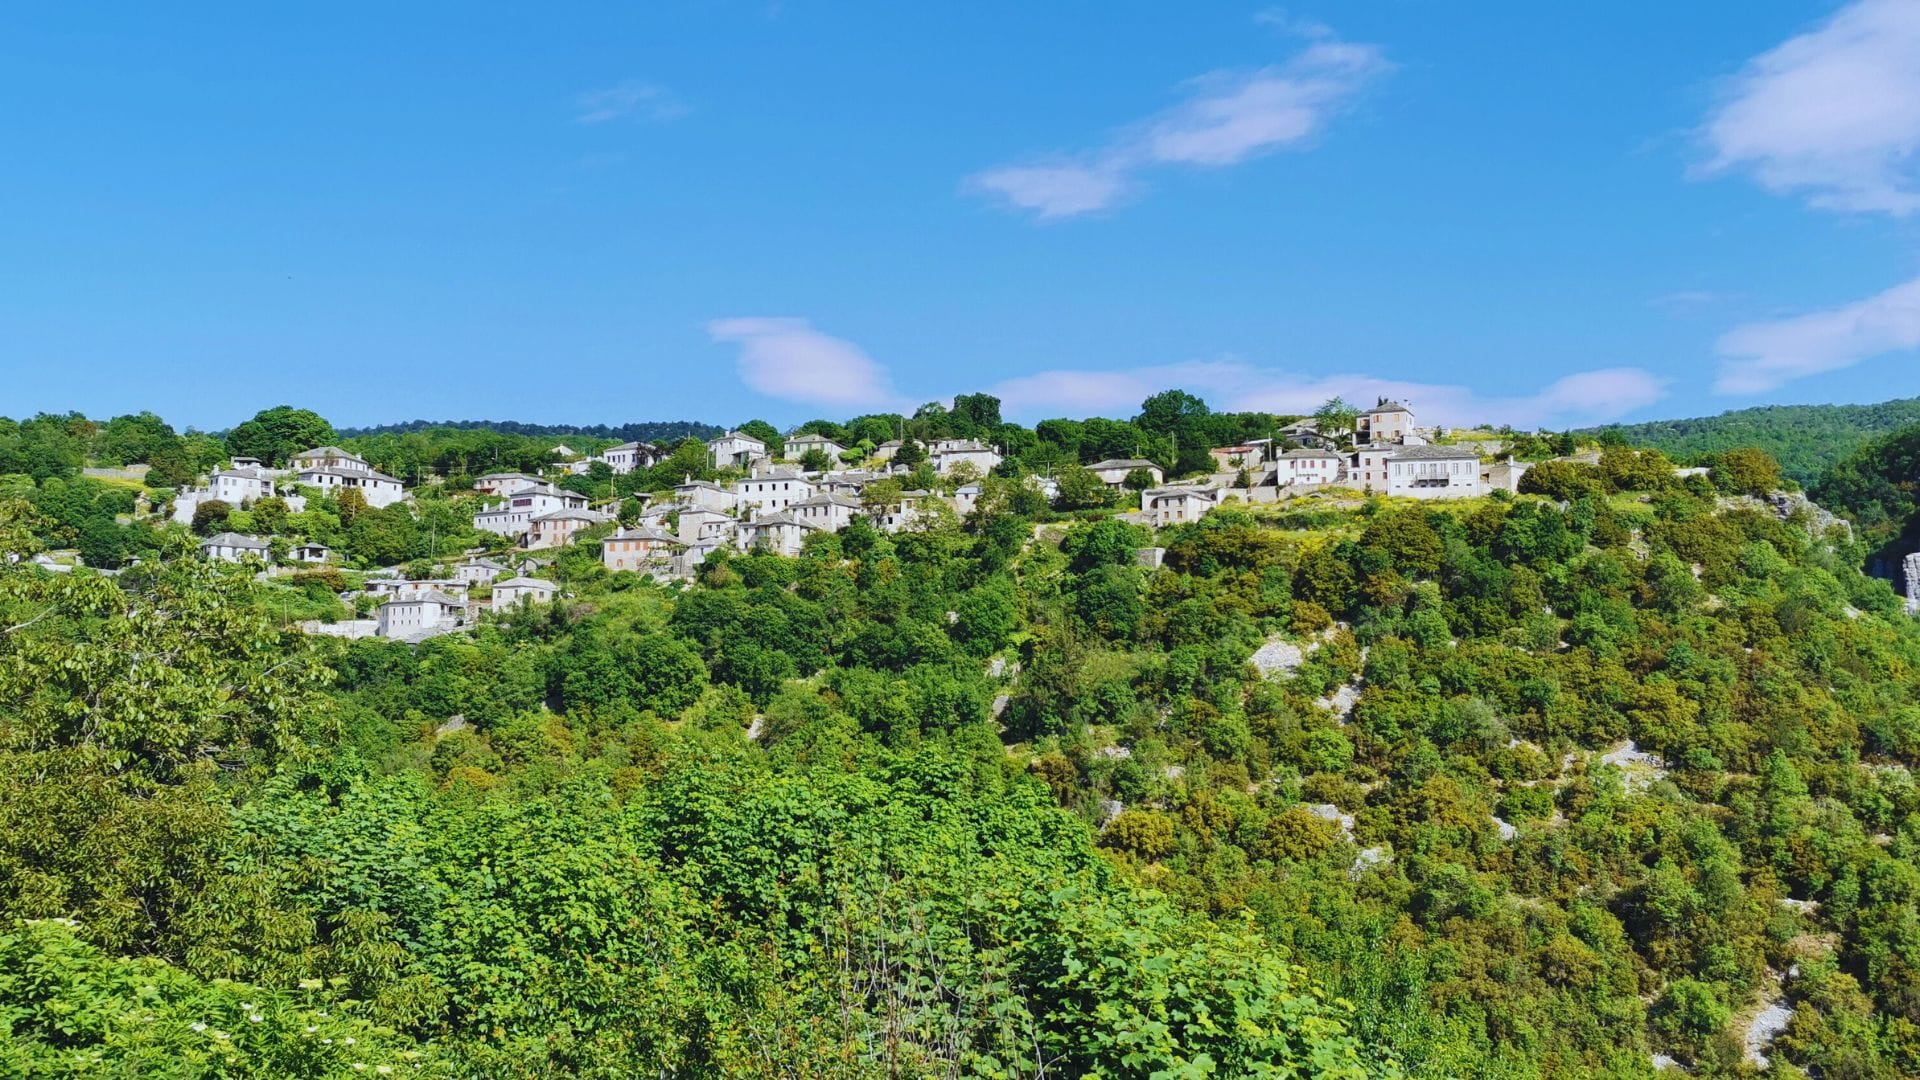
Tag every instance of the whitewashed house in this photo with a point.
(1369, 470)
(828, 510)
(420, 615)
(405, 587)
(233, 547)
(638, 549)
(735, 450)
(1433, 472)
(965, 498)
(515, 515)
(1113, 472)
(797, 446)
(240, 485)
(379, 489)
(476, 571)
(560, 528)
(780, 534)
(1308, 468)
(333, 470)
(506, 483)
(512, 591)
(949, 454)
(328, 457)
(769, 491)
(1175, 505)
(629, 456)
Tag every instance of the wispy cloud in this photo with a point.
(1581, 398)
(1227, 118)
(1833, 114)
(632, 98)
(788, 359)
(1765, 355)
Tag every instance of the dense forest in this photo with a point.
(1587, 781)
(653, 431)
(1807, 440)
(1878, 486)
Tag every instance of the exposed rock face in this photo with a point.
(1788, 503)
(1910, 573)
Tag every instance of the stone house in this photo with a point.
(629, 456)
(828, 510)
(233, 547)
(947, 455)
(1432, 472)
(513, 590)
(1175, 505)
(420, 615)
(780, 534)
(309, 553)
(477, 571)
(770, 491)
(638, 549)
(797, 446)
(735, 450)
(1113, 472)
(1387, 422)
(560, 528)
(1308, 468)
(515, 515)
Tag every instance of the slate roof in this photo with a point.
(235, 540)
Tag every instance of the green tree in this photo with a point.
(210, 516)
(1336, 419)
(277, 433)
(1746, 471)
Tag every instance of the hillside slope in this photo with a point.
(1808, 439)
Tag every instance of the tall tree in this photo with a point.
(275, 434)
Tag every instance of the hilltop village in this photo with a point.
(770, 494)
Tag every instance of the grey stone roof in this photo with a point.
(427, 598)
(235, 540)
(1122, 463)
(644, 534)
(328, 451)
(368, 474)
(1389, 406)
(832, 498)
(524, 582)
(1431, 453)
(1317, 454)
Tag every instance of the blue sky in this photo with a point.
(599, 213)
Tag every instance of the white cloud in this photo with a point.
(1053, 191)
(1765, 355)
(790, 360)
(1228, 118)
(1582, 398)
(1833, 114)
(629, 98)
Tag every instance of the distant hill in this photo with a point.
(1878, 486)
(1808, 439)
(654, 431)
